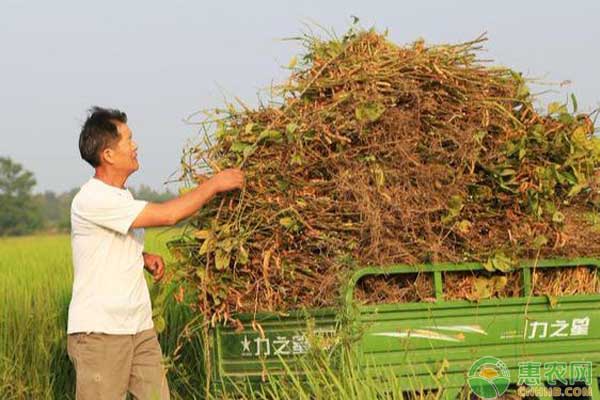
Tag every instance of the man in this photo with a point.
(111, 338)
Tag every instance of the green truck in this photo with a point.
(543, 343)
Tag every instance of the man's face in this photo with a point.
(123, 154)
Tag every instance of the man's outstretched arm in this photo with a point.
(172, 211)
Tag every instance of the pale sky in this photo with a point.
(161, 61)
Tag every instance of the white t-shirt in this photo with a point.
(110, 294)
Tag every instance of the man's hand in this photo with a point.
(229, 179)
(155, 265)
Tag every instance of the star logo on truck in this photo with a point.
(246, 344)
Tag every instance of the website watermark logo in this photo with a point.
(488, 377)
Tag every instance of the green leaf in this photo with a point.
(455, 205)
(301, 202)
(290, 223)
(157, 311)
(226, 244)
(270, 135)
(159, 324)
(488, 265)
(552, 300)
(222, 259)
(522, 91)
(499, 262)
(565, 117)
(293, 62)
(296, 159)
(180, 274)
(464, 226)
(508, 172)
(569, 177)
(576, 189)
(488, 287)
(556, 108)
(479, 136)
(206, 246)
(287, 222)
(283, 185)
(482, 288)
(378, 175)
(481, 192)
(369, 158)
(242, 256)
(184, 190)
(239, 147)
(499, 282)
(369, 111)
(574, 101)
(248, 151)
(202, 234)
(291, 128)
(221, 131)
(558, 217)
(539, 242)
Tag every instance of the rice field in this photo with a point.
(35, 290)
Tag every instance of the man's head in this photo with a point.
(106, 141)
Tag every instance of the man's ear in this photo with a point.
(107, 156)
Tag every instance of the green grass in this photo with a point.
(35, 289)
(35, 279)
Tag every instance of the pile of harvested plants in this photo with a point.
(374, 153)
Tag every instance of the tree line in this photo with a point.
(23, 212)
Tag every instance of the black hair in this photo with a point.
(99, 131)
